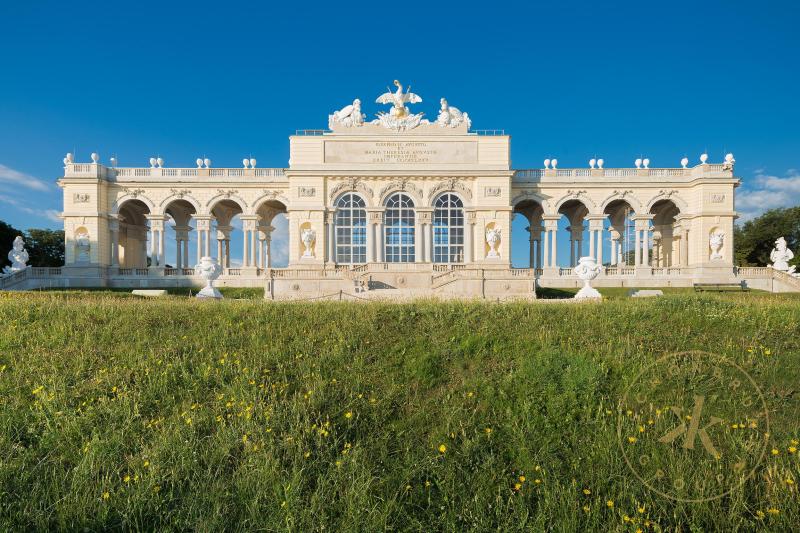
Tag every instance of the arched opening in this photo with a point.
(526, 235)
(399, 218)
(621, 227)
(350, 229)
(227, 215)
(572, 224)
(134, 230)
(272, 235)
(667, 235)
(448, 229)
(179, 228)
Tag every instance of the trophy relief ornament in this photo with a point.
(493, 239)
(715, 241)
(308, 236)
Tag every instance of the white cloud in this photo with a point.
(768, 192)
(15, 177)
(50, 214)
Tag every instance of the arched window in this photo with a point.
(399, 229)
(448, 229)
(351, 229)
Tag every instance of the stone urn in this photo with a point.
(18, 256)
(587, 269)
(308, 236)
(493, 239)
(208, 269)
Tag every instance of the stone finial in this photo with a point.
(684, 162)
(252, 162)
(152, 162)
(245, 162)
(638, 163)
(554, 162)
(546, 163)
(160, 162)
(207, 162)
(592, 162)
(703, 158)
(600, 163)
(646, 162)
(113, 161)
(199, 163)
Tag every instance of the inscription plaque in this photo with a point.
(402, 152)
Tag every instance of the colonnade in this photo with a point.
(654, 246)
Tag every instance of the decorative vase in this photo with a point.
(209, 269)
(587, 269)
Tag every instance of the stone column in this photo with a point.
(185, 253)
(380, 240)
(113, 226)
(203, 223)
(374, 218)
(249, 225)
(637, 252)
(469, 237)
(330, 227)
(424, 247)
(551, 247)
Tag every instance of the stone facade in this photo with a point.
(434, 204)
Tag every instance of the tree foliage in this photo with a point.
(45, 247)
(755, 238)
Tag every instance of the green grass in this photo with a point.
(152, 414)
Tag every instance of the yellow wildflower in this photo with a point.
(610, 504)
(106, 495)
(442, 448)
(586, 508)
(587, 491)
(773, 511)
(348, 414)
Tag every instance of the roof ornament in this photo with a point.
(399, 118)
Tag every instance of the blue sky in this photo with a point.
(227, 79)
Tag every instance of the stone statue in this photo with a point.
(308, 236)
(82, 247)
(451, 117)
(399, 118)
(349, 116)
(587, 269)
(493, 239)
(18, 256)
(780, 256)
(715, 242)
(208, 269)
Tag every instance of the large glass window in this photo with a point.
(399, 229)
(448, 229)
(351, 229)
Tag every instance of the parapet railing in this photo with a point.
(535, 174)
(94, 170)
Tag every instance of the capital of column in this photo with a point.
(551, 221)
(425, 215)
(596, 222)
(472, 217)
(203, 222)
(156, 221)
(265, 232)
(375, 216)
(329, 215)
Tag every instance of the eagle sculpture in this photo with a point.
(398, 99)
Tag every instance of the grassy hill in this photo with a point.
(120, 412)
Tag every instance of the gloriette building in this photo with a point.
(401, 205)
